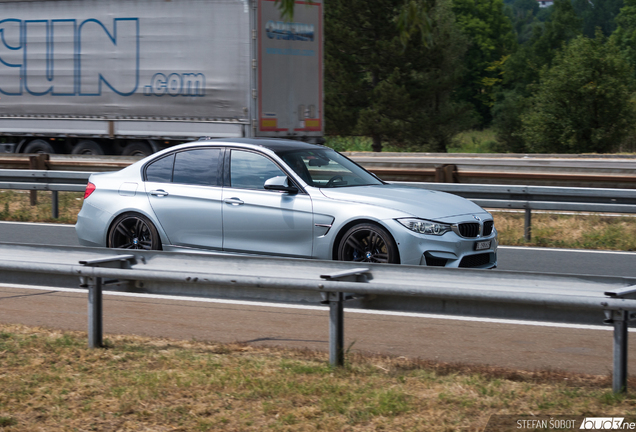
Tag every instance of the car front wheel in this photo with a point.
(133, 231)
(368, 243)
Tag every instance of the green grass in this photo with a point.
(357, 144)
(475, 142)
(51, 381)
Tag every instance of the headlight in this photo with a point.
(424, 226)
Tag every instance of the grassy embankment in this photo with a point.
(50, 381)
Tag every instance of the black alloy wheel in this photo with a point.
(133, 231)
(368, 243)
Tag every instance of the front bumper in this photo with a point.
(448, 250)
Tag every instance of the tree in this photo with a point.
(584, 102)
(412, 18)
(376, 86)
(522, 14)
(491, 38)
(625, 34)
(597, 14)
(521, 71)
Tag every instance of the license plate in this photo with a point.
(482, 245)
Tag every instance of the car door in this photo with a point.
(262, 221)
(185, 192)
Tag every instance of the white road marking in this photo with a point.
(38, 224)
(529, 248)
(320, 308)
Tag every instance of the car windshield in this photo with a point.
(325, 168)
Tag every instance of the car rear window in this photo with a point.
(160, 170)
(197, 167)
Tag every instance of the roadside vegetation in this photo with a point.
(576, 231)
(51, 381)
(15, 206)
(557, 79)
(472, 141)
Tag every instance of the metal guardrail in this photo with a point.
(564, 298)
(616, 171)
(44, 180)
(526, 198)
(69, 162)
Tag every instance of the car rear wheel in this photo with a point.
(133, 231)
(368, 243)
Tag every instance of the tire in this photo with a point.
(137, 148)
(87, 147)
(368, 242)
(133, 231)
(39, 146)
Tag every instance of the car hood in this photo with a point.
(422, 203)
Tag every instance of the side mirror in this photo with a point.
(280, 184)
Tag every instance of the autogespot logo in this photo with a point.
(606, 423)
(289, 31)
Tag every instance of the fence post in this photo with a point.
(37, 162)
(619, 377)
(527, 226)
(55, 206)
(95, 313)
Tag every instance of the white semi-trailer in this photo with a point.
(132, 77)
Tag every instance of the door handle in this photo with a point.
(233, 201)
(159, 193)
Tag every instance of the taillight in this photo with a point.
(90, 188)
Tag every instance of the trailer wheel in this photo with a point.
(87, 147)
(137, 148)
(39, 146)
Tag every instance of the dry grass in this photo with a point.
(50, 381)
(568, 231)
(15, 206)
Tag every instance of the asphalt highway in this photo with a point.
(512, 344)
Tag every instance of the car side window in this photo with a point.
(160, 170)
(197, 167)
(250, 170)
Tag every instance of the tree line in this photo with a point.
(414, 73)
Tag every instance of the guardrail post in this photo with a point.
(94, 285)
(527, 225)
(619, 378)
(336, 311)
(336, 329)
(95, 313)
(55, 207)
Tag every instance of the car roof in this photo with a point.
(276, 145)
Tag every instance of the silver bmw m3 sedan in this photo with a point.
(284, 198)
